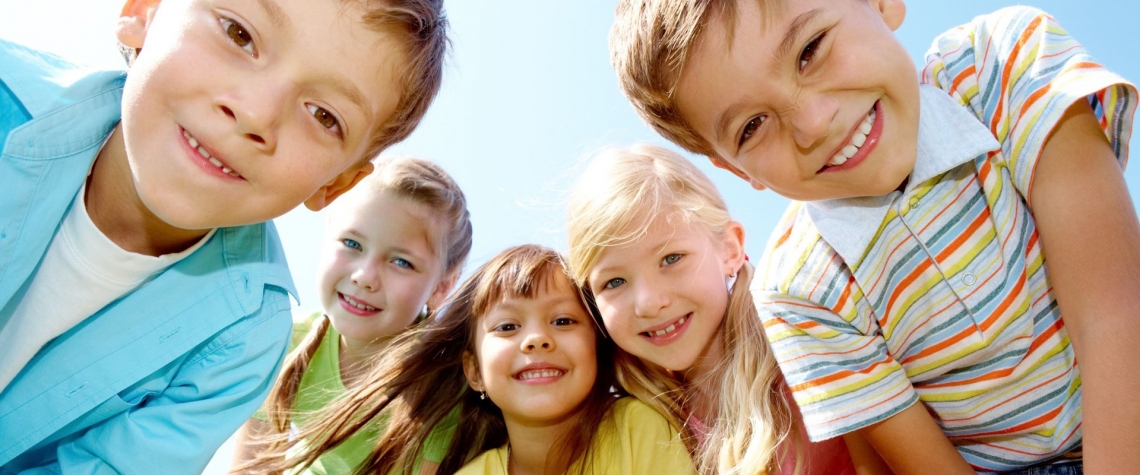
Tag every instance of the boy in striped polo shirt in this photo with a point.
(912, 267)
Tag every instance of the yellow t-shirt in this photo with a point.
(634, 440)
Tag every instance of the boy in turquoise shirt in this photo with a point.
(233, 112)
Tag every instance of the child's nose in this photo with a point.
(536, 340)
(650, 299)
(255, 113)
(366, 278)
(811, 119)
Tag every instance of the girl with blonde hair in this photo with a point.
(652, 242)
(394, 248)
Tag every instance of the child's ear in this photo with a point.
(134, 21)
(347, 179)
(734, 246)
(723, 165)
(893, 12)
(471, 371)
(442, 288)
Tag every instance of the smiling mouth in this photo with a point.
(539, 373)
(669, 329)
(206, 155)
(858, 139)
(362, 306)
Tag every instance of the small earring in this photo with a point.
(424, 312)
(129, 54)
(730, 281)
(482, 395)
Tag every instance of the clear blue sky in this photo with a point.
(529, 94)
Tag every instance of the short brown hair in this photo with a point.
(419, 29)
(650, 43)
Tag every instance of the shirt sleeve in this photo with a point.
(301, 328)
(1019, 71)
(178, 429)
(836, 364)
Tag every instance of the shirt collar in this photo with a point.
(948, 135)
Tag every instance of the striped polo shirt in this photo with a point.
(938, 292)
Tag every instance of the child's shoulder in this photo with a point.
(999, 32)
(43, 81)
(792, 243)
(631, 415)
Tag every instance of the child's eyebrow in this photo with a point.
(350, 91)
(276, 15)
(794, 32)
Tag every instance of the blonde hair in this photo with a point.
(650, 43)
(414, 179)
(616, 198)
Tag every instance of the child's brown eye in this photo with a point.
(809, 51)
(238, 34)
(325, 118)
(750, 130)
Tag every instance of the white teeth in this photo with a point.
(356, 304)
(539, 373)
(669, 329)
(857, 140)
(205, 153)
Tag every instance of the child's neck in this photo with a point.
(356, 356)
(116, 209)
(531, 443)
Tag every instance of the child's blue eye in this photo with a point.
(403, 263)
(325, 118)
(670, 259)
(351, 244)
(614, 283)
(239, 34)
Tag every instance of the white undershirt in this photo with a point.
(82, 271)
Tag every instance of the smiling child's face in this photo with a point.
(236, 111)
(379, 265)
(816, 101)
(663, 296)
(537, 359)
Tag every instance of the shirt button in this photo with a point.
(969, 279)
(914, 203)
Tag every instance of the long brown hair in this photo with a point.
(419, 381)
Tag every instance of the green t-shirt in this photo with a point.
(321, 385)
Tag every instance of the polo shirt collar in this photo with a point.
(949, 135)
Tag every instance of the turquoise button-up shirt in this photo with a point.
(158, 379)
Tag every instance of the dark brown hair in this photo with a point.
(420, 380)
